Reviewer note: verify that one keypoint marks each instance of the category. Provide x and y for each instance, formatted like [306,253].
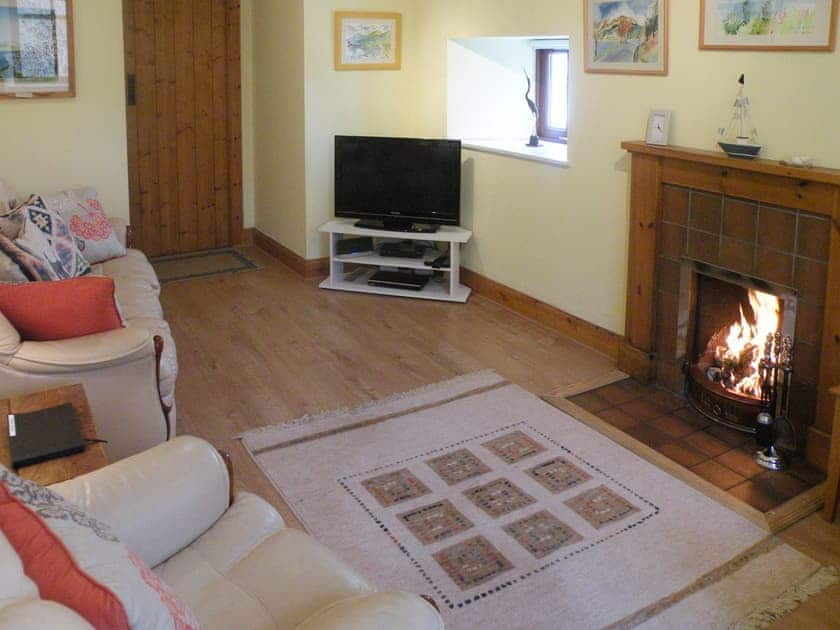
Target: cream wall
[561,234]
[55,143]
[350,102]
[279,122]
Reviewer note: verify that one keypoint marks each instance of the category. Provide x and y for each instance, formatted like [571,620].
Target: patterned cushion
[9,270]
[94,234]
[31,265]
[10,221]
[77,561]
[45,249]
[8,198]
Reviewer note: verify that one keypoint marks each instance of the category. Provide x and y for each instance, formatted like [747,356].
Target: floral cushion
[94,234]
[45,249]
[77,561]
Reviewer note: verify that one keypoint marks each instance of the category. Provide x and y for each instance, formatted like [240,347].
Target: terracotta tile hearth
[720,455]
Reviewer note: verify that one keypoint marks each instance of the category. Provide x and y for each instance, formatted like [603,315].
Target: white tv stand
[451,291]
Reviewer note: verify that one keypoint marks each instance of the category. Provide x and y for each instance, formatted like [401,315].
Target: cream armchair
[128,374]
[231,558]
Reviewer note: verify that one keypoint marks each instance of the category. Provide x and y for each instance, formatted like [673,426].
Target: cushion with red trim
[62,309]
[76,561]
[82,212]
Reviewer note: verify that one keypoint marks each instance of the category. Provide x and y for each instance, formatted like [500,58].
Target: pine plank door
[184,123]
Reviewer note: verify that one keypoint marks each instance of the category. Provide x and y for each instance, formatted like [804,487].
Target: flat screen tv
[398,182]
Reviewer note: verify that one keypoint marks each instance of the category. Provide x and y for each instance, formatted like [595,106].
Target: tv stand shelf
[451,290]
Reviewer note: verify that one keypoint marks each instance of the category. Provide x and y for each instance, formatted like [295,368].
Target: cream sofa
[234,563]
[128,374]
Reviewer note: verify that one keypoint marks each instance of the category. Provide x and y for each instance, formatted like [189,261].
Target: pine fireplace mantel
[814,190]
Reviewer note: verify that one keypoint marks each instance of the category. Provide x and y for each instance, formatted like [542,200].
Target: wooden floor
[258,348]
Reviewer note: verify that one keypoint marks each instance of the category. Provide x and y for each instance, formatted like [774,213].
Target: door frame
[233,47]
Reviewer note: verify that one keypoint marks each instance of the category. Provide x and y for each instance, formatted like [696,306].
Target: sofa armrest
[393,609]
[122,229]
[158,501]
[90,352]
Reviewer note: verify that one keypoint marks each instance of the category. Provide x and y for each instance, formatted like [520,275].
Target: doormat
[201,265]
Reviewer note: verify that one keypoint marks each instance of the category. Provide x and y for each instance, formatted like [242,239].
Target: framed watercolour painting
[367,41]
[806,25]
[626,36]
[36,48]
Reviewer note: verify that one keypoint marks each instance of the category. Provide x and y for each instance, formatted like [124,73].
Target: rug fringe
[334,413]
[790,600]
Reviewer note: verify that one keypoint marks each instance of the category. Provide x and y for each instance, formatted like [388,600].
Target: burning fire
[738,349]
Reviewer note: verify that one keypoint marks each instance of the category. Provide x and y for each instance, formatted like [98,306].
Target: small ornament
[740,139]
[534,140]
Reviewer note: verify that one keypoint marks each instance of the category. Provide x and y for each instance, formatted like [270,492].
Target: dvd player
[403,249]
[398,280]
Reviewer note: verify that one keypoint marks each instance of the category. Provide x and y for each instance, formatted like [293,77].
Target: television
[404,184]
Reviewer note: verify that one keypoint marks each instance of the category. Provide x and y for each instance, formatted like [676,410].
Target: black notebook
[46,434]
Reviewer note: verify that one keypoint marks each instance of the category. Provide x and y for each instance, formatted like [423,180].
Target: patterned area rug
[512,514]
[201,265]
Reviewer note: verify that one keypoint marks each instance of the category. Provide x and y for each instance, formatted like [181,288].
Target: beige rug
[201,265]
[512,514]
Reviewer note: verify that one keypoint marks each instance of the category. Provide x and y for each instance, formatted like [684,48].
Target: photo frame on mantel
[36,49]
[368,40]
[783,25]
[628,37]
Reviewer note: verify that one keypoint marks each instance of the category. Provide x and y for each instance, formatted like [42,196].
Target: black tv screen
[398,180]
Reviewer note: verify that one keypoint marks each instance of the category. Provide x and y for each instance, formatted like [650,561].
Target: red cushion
[61,309]
[48,563]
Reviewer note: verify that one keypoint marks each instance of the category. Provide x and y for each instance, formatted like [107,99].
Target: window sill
[552,153]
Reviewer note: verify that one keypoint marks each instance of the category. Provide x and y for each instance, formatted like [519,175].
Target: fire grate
[725,377]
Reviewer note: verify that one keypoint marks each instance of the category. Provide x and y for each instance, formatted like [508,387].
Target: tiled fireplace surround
[782,246]
[763,220]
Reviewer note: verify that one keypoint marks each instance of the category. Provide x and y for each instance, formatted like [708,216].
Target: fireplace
[714,253]
[730,327]
[762,219]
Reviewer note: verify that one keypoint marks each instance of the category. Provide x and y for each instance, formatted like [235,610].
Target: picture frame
[659,127]
[36,50]
[751,26]
[629,37]
[368,40]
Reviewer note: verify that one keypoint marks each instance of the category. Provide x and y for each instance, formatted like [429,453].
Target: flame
[740,356]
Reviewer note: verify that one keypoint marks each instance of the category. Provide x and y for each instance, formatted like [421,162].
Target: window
[486,99]
[553,94]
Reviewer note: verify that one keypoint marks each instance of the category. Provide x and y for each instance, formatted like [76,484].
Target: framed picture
[36,48]
[806,25]
[659,127]
[626,37]
[368,41]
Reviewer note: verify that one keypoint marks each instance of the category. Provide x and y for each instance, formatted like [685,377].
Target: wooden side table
[62,468]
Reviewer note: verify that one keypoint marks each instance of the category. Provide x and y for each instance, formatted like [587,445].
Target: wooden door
[184,123]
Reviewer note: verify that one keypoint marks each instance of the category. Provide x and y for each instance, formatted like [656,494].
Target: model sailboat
[740,138]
